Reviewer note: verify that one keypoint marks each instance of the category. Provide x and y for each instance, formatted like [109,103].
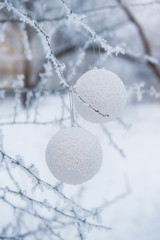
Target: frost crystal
[19,82]
[74,155]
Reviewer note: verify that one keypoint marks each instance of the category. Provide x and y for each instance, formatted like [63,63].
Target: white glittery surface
[74,155]
[102,96]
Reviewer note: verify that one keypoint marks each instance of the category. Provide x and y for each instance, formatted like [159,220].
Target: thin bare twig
[146,44]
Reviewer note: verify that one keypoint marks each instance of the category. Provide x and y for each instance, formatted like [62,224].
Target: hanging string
[99,55]
[94,51]
[71,107]
[99,52]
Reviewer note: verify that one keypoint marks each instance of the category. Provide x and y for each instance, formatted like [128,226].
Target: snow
[127,186]
[138,214]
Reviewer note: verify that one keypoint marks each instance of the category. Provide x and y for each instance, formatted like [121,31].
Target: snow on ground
[137,216]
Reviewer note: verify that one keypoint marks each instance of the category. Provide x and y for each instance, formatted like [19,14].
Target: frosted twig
[124,124]
[146,44]
[46,40]
[39,181]
[16,104]
[91,31]
[118,197]
[88,11]
[46,205]
[112,142]
[40,123]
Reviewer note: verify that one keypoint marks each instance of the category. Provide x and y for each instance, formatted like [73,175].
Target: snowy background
[34,106]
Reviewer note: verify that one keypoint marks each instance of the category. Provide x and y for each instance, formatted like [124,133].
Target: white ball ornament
[73,155]
[99,96]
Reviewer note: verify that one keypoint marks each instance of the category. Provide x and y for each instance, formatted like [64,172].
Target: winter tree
[79,119]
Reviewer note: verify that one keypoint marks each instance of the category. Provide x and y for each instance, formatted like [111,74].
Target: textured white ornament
[100,96]
[73,155]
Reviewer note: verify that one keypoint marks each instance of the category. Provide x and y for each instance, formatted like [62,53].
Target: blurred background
[121,36]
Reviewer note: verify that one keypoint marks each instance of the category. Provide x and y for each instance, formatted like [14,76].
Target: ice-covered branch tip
[49,207]
[112,142]
[40,183]
[113,6]
[80,19]
[50,55]
[45,40]
[58,218]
